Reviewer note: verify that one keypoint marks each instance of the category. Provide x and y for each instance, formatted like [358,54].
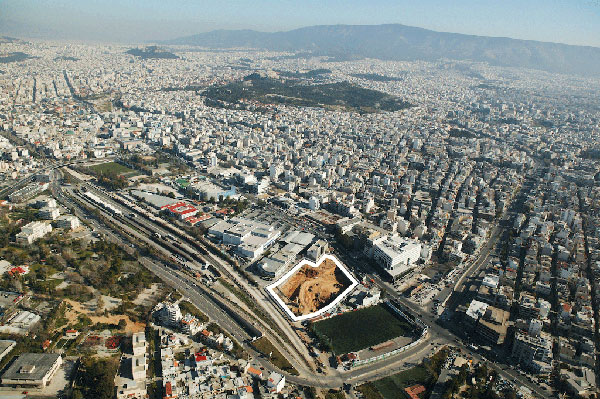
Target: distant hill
[406,43]
[151,52]
[7,39]
[294,91]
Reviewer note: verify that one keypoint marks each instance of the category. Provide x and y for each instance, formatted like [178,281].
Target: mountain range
[406,43]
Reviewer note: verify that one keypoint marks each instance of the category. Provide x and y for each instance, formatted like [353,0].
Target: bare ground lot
[77,308]
[148,296]
[311,288]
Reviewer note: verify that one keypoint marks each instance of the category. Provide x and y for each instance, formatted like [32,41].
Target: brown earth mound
[311,288]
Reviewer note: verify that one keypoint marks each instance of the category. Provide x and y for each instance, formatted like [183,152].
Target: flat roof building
[396,255]
[32,370]
[250,237]
[32,232]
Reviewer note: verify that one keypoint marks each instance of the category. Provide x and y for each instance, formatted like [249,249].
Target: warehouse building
[250,238]
[27,192]
[32,370]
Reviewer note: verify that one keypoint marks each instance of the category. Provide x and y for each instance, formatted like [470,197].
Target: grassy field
[361,329]
[264,346]
[111,167]
[369,391]
[187,307]
[389,387]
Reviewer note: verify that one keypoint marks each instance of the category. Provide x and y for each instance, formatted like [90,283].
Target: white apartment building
[33,231]
[68,221]
[534,352]
[138,342]
[168,314]
[396,254]
[49,213]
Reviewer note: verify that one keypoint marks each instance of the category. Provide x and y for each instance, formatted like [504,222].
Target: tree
[95,378]
[99,304]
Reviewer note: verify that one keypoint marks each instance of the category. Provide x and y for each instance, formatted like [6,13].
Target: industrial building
[210,191]
[250,238]
[27,192]
[32,370]
[6,345]
[273,266]
[181,209]
[20,323]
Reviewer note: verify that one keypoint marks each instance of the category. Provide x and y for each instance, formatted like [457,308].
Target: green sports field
[353,331]
[111,167]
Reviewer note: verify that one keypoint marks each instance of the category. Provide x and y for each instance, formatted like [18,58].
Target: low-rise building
[32,232]
[49,213]
[32,370]
[275,382]
[68,222]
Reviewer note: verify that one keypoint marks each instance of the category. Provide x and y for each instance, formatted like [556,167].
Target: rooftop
[30,366]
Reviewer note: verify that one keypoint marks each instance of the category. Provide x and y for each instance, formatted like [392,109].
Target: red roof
[180,208]
[252,370]
[168,389]
[18,270]
[414,391]
[200,358]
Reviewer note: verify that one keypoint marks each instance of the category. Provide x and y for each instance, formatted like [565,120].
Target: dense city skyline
[327,212]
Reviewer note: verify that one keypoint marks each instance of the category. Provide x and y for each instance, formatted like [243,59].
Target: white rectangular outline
[340,297]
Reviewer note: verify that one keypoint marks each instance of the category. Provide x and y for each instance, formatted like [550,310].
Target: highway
[143,229]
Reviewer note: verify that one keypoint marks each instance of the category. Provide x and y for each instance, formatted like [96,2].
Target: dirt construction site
[311,288]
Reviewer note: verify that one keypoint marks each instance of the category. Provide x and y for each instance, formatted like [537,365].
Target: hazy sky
[573,22]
